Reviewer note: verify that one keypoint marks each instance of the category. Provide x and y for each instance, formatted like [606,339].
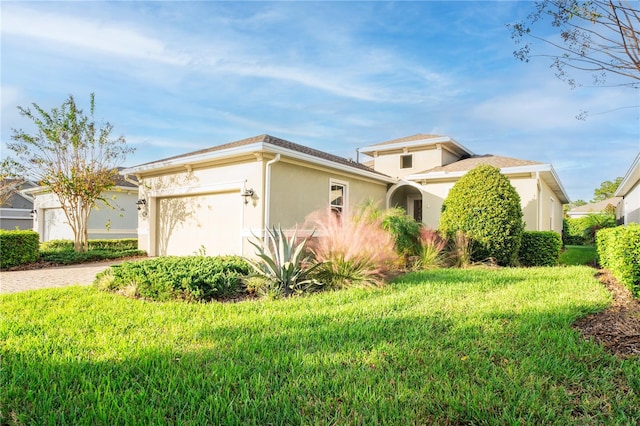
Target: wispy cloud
[86,33]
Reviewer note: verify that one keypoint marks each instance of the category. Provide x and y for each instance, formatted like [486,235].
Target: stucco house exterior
[628,210]
[594,208]
[16,211]
[217,198]
[119,219]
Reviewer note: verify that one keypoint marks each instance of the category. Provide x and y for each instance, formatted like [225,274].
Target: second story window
[406,161]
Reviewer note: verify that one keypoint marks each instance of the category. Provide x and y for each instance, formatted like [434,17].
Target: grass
[578,255]
[475,346]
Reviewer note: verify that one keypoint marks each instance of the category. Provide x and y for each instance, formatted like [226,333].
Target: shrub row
[18,247]
[118,244]
[192,278]
[618,250]
[540,248]
[582,230]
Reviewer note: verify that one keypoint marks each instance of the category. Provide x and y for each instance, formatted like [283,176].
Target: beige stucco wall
[184,191]
[631,205]
[298,190]
[118,219]
[435,192]
[423,159]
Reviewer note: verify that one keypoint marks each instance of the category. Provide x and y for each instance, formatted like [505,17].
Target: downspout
[267,196]
[539,209]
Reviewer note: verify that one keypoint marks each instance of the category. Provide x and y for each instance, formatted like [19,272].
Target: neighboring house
[594,208]
[217,198]
[16,211]
[119,219]
[628,210]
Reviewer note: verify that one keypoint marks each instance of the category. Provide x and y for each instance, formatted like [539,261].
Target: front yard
[450,346]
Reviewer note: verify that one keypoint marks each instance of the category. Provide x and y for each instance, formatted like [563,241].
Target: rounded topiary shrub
[486,207]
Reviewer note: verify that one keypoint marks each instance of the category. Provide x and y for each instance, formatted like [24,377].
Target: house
[16,211]
[427,167]
[610,204]
[216,199]
[628,210]
[117,219]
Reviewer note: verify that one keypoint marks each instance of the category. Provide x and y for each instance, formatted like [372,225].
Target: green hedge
[117,244]
[18,247]
[191,278]
[618,250]
[573,231]
[540,248]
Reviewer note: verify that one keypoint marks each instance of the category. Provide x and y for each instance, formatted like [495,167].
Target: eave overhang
[546,172]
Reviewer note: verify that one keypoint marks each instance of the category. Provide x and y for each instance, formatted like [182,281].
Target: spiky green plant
[283,262]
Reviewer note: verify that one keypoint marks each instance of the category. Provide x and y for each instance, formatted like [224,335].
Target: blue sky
[173,77]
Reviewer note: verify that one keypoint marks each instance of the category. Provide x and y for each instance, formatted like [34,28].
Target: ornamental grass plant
[352,250]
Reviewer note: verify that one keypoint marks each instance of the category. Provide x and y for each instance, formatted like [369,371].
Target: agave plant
[282,262]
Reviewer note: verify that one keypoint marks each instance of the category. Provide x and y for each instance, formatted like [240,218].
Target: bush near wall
[573,231]
[118,244]
[191,278]
[540,248]
[18,247]
[618,250]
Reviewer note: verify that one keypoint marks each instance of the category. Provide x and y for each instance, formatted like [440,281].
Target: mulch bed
[618,327]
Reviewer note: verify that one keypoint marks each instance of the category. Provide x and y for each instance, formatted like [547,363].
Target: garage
[187,224]
[55,225]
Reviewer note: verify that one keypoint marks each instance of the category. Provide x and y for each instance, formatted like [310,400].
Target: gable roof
[255,144]
[596,207]
[492,160]
[418,140]
[506,165]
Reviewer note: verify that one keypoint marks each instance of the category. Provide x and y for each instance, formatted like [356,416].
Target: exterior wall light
[141,203]
[247,193]
[34,214]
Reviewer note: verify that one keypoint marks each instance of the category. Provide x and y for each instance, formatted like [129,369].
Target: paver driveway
[34,279]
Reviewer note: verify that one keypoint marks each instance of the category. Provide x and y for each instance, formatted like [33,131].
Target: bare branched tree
[72,157]
[599,37]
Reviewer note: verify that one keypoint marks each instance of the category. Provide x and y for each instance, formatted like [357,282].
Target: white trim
[630,178]
[250,149]
[400,184]
[345,194]
[536,168]
[412,144]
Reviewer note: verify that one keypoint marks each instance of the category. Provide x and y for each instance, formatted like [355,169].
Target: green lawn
[480,346]
[578,255]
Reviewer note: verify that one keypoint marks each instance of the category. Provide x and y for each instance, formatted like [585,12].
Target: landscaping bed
[618,327]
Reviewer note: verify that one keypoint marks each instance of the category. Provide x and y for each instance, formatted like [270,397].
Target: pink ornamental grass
[354,250]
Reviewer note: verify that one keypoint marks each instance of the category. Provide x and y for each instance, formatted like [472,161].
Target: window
[406,161]
[337,197]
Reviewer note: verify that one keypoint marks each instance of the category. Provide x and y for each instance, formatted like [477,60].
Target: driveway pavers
[60,276]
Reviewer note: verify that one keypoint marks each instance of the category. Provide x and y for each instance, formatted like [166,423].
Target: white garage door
[56,226]
[186,224]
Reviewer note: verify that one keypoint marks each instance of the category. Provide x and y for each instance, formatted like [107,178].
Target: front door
[417,210]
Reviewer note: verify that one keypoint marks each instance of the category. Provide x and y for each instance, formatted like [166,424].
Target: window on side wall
[338,197]
[406,161]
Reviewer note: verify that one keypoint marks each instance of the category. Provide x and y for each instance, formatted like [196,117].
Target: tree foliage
[486,207]
[606,190]
[71,156]
[599,37]
[11,179]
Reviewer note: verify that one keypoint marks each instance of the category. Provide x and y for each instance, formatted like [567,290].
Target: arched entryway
[407,195]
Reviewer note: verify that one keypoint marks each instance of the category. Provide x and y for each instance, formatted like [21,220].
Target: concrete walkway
[35,279]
